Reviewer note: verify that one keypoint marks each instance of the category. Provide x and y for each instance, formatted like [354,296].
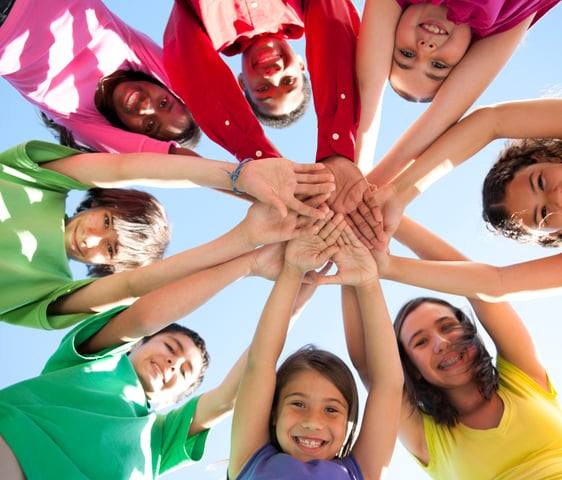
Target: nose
[175,362]
[145,106]
[440,343]
[311,420]
[271,71]
[422,43]
[554,195]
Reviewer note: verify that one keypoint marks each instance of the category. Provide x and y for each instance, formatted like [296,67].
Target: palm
[266,225]
[355,264]
[307,253]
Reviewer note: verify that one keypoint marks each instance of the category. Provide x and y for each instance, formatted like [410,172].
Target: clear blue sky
[451,208]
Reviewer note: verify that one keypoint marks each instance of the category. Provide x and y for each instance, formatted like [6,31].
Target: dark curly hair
[431,399]
[516,155]
[335,370]
[141,225]
[103,99]
[287,119]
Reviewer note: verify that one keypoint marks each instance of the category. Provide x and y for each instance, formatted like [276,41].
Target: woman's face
[426,48]
[311,417]
[535,196]
[430,335]
[149,109]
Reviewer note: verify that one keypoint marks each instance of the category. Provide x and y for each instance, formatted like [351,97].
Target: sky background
[451,208]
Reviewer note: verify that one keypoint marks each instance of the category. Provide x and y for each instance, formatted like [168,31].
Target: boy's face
[167,366]
[272,76]
[427,46]
[150,109]
[89,237]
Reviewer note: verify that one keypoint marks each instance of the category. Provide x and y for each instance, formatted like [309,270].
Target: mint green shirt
[87,417]
[34,267]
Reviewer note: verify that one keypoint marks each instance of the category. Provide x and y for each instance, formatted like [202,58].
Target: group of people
[129,113]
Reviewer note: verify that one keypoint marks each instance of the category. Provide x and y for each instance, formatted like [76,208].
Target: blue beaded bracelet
[236,173]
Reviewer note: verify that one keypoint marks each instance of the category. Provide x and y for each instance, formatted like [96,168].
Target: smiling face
[535,196]
[311,417]
[167,365]
[150,109]
[429,336]
[426,48]
[89,237]
[272,76]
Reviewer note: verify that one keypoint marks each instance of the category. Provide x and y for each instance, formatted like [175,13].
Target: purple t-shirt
[488,17]
[268,463]
[55,52]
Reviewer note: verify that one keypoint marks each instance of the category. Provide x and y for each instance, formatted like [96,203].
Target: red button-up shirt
[199,29]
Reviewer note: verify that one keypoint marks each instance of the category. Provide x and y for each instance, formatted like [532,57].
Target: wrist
[235,177]
[290,269]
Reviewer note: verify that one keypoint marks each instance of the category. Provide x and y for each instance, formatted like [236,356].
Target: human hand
[264,224]
[310,252]
[350,184]
[279,181]
[268,260]
[378,216]
[356,265]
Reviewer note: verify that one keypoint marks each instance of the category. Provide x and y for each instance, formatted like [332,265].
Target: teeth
[309,443]
[433,29]
[449,362]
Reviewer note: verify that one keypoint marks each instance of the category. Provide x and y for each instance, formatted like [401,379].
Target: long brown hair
[429,398]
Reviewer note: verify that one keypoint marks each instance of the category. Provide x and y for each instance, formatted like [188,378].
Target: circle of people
[129,113]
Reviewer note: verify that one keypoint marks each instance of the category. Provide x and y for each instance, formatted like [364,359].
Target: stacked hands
[302,188]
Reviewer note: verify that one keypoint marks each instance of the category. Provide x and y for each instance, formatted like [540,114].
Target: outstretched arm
[250,424]
[505,327]
[464,85]
[377,347]
[520,119]
[275,181]
[375,46]
[262,225]
[459,276]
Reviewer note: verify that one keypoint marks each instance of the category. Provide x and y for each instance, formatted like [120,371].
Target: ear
[301,63]
[241,82]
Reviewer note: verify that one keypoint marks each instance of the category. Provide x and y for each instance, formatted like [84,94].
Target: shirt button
[227,123]
[259,153]
[342,96]
[335,136]
[254,4]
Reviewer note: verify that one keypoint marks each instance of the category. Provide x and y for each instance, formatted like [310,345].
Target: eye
[110,250]
[407,53]
[332,410]
[544,213]
[540,182]
[419,343]
[169,347]
[439,65]
[164,102]
[107,221]
[149,126]
[297,404]
[289,80]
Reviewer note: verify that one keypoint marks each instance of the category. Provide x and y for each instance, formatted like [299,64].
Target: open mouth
[309,443]
[266,59]
[451,361]
[132,100]
[433,29]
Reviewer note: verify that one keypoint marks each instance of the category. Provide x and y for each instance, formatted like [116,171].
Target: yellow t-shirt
[526,445]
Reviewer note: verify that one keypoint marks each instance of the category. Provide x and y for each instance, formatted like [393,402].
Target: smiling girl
[462,416]
[442,51]
[300,421]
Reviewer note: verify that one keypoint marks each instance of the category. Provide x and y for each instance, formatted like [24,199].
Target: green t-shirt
[86,417]
[34,267]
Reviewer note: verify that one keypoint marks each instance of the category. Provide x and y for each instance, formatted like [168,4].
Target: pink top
[487,17]
[54,53]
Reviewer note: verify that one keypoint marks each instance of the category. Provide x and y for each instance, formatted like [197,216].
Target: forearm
[354,334]
[147,169]
[124,287]
[383,362]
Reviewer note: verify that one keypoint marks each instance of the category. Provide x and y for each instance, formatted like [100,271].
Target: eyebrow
[303,395]
[431,76]
[421,330]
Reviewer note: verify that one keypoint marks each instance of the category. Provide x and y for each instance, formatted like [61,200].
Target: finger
[303,209]
[329,280]
[312,169]
[328,253]
[316,200]
[310,189]
[334,233]
[365,241]
[362,229]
